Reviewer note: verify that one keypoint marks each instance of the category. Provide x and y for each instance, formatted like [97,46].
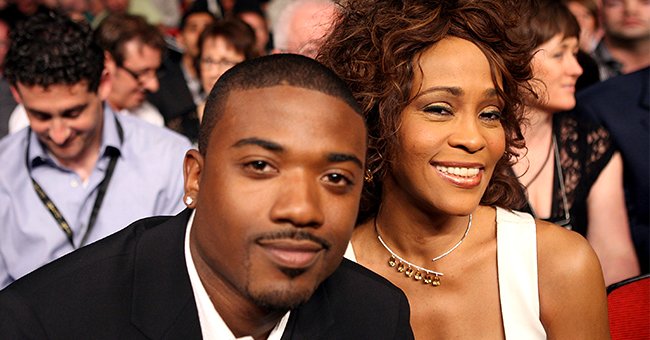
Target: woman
[440,86]
[571,172]
[586,12]
[223,45]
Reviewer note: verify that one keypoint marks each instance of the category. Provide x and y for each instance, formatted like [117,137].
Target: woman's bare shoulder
[572,294]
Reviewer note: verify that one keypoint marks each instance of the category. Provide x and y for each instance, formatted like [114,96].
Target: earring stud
[189,200]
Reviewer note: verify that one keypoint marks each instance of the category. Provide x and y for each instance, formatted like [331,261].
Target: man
[625,46]
[78,172]
[622,105]
[259,252]
[180,89]
[134,52]
[301,26]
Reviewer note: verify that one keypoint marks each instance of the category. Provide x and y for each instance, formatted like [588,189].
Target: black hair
[49,49]
[195,8]
[267,71]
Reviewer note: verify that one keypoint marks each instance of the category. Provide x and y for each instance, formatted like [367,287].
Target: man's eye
[337,179]
[258,166]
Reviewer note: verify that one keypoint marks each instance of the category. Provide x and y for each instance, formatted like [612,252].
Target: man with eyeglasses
[79,172]
[133,51]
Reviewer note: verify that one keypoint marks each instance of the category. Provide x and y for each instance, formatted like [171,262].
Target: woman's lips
[466,177]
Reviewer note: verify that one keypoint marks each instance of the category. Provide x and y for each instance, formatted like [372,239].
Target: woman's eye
[438,109]
[491,115]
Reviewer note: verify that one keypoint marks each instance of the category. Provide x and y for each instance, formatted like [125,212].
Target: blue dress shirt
[147,180]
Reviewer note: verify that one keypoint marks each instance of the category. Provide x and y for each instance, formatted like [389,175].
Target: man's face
[310,25]
[626,20]
[66,118]
[276,194]
[135,76]
[189,36]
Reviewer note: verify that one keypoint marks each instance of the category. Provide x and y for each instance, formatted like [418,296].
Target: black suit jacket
[622,105]
[134,285]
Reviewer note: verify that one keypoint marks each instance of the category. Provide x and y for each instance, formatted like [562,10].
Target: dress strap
[518,278]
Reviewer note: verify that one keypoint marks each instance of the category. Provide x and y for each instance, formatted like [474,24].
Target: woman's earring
[189,200]
[367,176]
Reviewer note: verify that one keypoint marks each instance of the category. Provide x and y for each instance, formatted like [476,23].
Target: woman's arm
[573,301]
[608,231]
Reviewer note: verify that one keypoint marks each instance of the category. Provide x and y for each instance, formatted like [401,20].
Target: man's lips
[292,253]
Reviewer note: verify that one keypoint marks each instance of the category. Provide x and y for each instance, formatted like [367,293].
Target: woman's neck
[538,129]
[414,233]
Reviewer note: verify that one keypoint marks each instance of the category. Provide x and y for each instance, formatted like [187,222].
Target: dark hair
[236,32]
[50,49]
[196,8]
[267,71]
[248,6]
[547,18]
[375,46]
[118,29]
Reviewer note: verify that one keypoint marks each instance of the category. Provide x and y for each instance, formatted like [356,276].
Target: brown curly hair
[375,46]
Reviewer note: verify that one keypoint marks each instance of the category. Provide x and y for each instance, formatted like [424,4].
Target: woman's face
[451,136]
[557,69]
[217,57]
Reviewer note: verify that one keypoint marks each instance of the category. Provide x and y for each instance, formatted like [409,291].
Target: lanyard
[63,224]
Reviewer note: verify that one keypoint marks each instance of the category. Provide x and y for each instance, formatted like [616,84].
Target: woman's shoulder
[566,251]
[571,285]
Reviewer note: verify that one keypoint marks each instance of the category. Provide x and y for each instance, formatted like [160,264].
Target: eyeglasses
[143,75]
[226,63]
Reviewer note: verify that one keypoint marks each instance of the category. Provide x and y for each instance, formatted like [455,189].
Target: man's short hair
[51,49]
[268,71]
[196,8]
[118,29]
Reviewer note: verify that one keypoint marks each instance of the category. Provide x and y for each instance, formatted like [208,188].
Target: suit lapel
[312,320]
[163,302]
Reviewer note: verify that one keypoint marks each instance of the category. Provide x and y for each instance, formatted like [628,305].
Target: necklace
[410,270]
[548,156]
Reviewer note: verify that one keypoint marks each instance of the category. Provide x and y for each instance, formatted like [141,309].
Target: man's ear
[15,94]
[105,85]
[109,63]
[192,167]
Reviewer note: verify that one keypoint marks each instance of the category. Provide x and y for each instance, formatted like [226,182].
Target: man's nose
[58,131]
[299,201]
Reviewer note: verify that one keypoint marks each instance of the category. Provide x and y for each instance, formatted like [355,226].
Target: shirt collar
[603,54]
[212,325]
[37,153]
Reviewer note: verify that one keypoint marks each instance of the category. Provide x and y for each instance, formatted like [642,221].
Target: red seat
[628,304]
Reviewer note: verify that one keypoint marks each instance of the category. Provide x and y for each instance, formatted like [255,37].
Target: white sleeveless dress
[517,275]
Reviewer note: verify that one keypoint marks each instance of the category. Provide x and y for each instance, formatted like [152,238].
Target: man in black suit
[273,193]
[622,105]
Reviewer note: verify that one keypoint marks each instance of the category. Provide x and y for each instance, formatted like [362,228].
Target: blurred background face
[4,41]
[589,31]
[136,76]
[308,26]
[258,23]
[626,19]
[217,56]
[189,36]
[116,6]
[556,70]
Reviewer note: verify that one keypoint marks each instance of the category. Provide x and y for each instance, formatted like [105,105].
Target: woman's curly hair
[375,46]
